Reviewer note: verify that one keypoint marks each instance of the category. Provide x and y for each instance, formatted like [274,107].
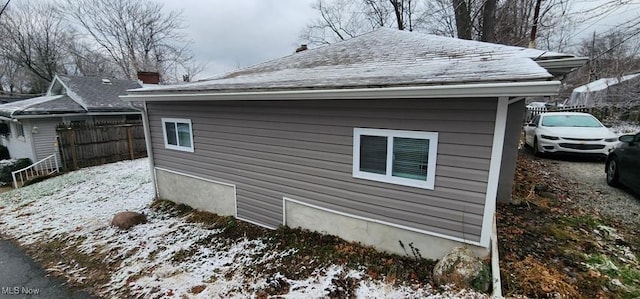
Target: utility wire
[614,46]
[4,7]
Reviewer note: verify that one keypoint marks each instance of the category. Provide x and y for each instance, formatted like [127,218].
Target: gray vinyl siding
[44,141]
[303,150]
[515,117]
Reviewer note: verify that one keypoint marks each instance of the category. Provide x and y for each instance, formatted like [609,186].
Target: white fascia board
[55,78]
[511,89]
[72,95]
[563,65]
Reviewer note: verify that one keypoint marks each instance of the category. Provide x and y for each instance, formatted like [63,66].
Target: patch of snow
[625,128]
[597,93]
[10,108]
[167,256]
[603,83]
[78,202]
[374,59]
[7,162]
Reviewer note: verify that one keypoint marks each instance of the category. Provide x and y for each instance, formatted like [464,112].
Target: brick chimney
[149,77]
[302,48]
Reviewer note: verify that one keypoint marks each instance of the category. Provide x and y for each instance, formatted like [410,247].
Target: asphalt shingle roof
[84,94]
[94,95]
[382,58]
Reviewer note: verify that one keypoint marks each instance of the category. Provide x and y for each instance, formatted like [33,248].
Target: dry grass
[540,280]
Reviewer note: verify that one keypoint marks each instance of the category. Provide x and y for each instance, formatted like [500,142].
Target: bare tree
[344,19]
[14,79]
[610,55]
[378,12]
[404,11]
[509,22]
[437,18]
[464,18]
[34,37]
[88,61]
[137,34]
[4,7]
[341,20]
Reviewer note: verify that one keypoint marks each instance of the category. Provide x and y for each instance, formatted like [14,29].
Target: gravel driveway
[587,178]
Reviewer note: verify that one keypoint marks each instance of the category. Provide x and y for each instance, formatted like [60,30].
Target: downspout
[495,262]
[147,139]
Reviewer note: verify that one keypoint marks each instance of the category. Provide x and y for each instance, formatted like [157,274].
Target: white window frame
[164,134]
[388,178]
[19,130]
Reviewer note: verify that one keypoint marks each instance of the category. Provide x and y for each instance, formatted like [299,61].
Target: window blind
[373,154]
[410,158]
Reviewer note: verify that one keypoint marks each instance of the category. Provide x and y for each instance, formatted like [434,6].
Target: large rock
[462,268]
[126,220]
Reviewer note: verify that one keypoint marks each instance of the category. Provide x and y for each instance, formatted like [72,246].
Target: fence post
[93,145]
[130,142]
[73,150]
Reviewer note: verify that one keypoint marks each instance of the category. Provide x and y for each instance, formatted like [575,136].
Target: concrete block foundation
[205,195]
[368,232]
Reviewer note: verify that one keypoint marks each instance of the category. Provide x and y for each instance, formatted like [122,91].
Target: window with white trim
[19,130]
[178,134]
[398,157]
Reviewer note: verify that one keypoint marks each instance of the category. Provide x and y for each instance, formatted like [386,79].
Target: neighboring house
[32,122]
[616,91]
[390,136]
[13,98]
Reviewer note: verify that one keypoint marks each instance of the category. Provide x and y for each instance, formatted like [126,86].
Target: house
[10,98]
[616,91]
[389,136]
[30,125]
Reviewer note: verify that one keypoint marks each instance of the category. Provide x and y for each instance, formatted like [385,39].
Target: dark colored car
[623,163]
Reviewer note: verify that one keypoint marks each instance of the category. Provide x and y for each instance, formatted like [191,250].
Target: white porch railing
[43,167]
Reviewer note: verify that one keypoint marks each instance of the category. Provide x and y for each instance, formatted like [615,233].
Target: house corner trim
[494,170]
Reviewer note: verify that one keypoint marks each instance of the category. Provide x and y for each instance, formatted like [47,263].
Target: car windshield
[570,121]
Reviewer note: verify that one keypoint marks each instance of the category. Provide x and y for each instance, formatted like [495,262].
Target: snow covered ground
[77,208]
[623,128]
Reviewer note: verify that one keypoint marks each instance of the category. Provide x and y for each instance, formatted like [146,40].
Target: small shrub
[7,168]
[22,163]
[4,153]
[482,282]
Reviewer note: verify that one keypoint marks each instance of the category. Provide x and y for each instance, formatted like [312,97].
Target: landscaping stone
[126,220]
[462,268]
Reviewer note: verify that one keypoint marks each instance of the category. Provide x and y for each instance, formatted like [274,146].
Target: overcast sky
[228,34]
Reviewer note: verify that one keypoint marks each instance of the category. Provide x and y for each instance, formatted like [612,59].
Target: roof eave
[511,89]
[31,116]
[562,66]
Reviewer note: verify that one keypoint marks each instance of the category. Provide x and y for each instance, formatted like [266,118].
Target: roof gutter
[562,66]
[30,116]
[536,88]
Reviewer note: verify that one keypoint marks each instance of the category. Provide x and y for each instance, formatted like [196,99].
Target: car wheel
[536,151]
[612,173]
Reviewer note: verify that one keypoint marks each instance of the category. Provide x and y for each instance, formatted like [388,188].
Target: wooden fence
[83,145]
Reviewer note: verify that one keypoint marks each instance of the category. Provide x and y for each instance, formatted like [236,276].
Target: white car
[569,132]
